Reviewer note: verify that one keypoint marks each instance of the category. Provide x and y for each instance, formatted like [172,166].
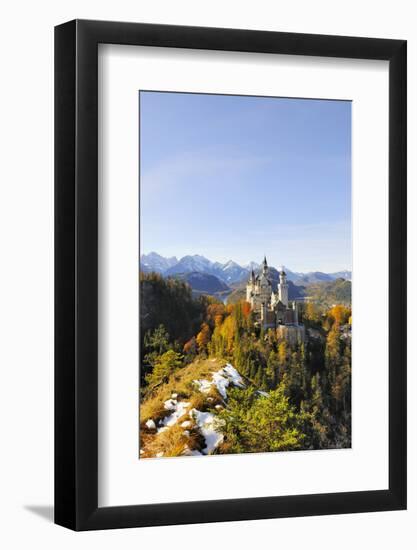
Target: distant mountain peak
[155,262]
[229,264]
[229,272]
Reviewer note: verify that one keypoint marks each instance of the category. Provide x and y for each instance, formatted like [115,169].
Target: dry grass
[145,439]
[182,383]
[198,401]
[214,397]
[152,409]
[224,448]
[171,442]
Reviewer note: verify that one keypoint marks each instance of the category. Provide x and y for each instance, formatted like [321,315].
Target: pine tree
[164,366]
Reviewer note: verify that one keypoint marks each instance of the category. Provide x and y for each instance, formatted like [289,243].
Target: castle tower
[274,299]
[295,308]
[264,284]
[283,288]
[250,286]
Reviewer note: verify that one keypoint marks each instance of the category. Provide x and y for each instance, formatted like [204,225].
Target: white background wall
[26,286]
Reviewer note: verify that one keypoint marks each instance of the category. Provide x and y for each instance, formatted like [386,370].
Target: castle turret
[264,284]
[295,308]
[250,287]
[283,288]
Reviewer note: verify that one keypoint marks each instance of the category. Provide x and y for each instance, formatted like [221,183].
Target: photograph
[245,274]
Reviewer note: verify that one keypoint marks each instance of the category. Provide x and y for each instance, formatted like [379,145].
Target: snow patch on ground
[189,452]
[234,376]
[178,410]
[150,424]
[221,380]
[170,404]
[203,385]
[206,421]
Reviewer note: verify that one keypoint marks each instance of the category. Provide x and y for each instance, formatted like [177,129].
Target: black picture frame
[76,272]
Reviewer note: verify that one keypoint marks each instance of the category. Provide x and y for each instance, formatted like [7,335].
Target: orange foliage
[230,308]
[190,346]
[218,320]
[215,311]
[203,337]
[246,309]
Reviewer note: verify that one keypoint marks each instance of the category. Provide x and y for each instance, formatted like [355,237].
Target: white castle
[272,308]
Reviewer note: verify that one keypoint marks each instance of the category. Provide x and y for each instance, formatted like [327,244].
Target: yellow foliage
[340,314]
[218,320]
[227,330]
[283,352]
[203,337]
[312,312]
[333,343]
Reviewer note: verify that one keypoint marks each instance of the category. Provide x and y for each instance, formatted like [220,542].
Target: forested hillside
[214,382]
[333,292]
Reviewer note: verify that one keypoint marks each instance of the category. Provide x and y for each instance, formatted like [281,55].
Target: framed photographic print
[230,253]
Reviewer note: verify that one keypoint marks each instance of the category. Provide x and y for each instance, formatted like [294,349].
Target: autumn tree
[339,315]
[312,313]
[190,349]
[283,351]
[215,314]
[246,309]
[203,338]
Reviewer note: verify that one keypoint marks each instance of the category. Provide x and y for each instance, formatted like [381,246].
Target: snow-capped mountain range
[229,272]
[155,262]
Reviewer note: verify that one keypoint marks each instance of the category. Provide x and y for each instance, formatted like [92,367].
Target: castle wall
[292,333]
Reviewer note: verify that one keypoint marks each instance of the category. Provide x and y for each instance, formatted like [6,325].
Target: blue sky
[235,177]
